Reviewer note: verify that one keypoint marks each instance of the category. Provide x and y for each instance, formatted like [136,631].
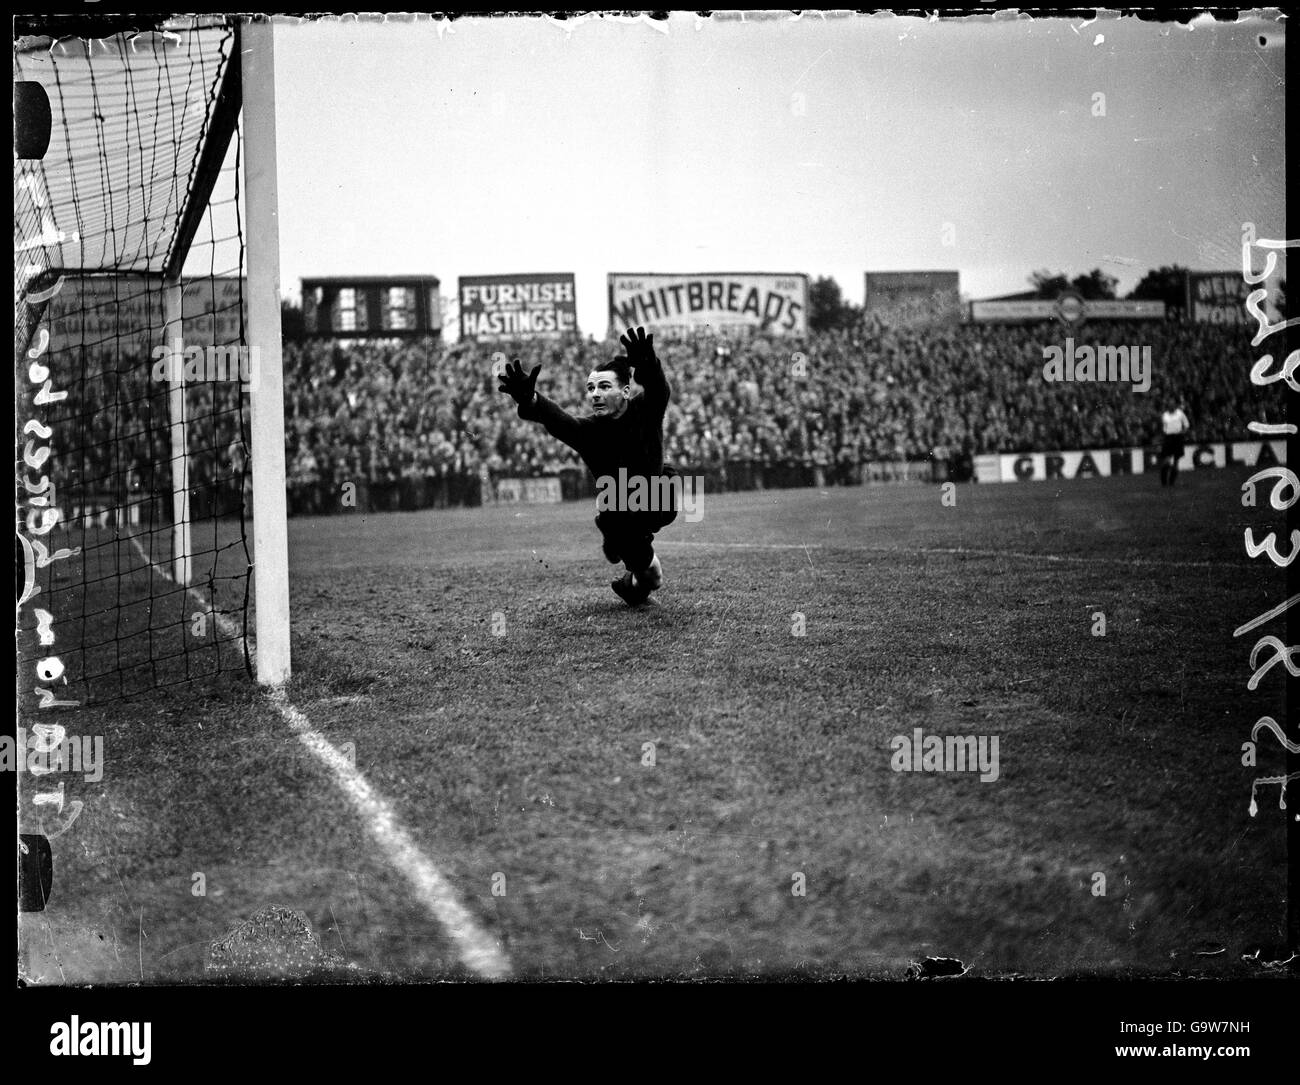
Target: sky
[824,145]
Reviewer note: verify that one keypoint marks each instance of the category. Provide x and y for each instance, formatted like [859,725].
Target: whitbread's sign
[716,302]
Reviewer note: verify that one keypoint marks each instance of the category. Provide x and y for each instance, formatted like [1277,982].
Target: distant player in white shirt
[1174,424]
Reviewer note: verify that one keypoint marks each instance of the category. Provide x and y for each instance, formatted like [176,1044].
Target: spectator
[412,423]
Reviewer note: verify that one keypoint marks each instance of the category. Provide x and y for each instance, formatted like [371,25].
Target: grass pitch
[648,790]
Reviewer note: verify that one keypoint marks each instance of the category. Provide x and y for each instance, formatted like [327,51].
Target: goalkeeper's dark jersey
[634,440]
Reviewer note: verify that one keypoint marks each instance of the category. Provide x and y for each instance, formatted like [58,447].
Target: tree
[1167,284]
[827,309]
[1049,284]
[1095,285]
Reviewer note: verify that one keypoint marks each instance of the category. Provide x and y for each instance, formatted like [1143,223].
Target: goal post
[182,564]
[147,268]
[266,407]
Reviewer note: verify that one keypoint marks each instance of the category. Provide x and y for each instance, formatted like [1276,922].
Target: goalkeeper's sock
[653,577]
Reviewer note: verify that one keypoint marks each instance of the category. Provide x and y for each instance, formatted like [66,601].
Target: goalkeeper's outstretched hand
[520,388]
[639,346]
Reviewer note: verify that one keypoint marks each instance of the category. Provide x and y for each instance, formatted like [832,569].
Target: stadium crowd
[393,413]
[420,422]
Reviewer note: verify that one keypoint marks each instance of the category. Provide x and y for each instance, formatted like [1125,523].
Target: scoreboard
[371,307]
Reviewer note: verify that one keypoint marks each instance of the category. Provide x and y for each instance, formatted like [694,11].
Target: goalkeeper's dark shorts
[629,536]
[1174,444]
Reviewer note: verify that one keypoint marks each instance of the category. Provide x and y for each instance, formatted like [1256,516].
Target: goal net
[133,371]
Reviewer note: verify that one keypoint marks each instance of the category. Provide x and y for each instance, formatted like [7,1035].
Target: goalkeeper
[624,430]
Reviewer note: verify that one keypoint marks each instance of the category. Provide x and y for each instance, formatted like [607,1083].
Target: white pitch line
[228,628]
[959,551]
[744,546]
[477,951]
